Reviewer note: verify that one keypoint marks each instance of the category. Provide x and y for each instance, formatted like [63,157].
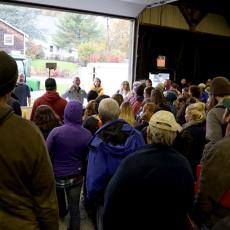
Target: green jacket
[27,189]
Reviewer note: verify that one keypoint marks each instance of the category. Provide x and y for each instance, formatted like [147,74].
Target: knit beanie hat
[8,73]
[220,86]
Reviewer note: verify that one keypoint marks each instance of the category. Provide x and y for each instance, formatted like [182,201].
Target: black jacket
[152,189]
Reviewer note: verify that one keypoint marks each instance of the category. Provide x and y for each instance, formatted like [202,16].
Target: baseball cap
[164,120]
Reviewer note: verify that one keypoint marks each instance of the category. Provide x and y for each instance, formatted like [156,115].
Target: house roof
[13,27]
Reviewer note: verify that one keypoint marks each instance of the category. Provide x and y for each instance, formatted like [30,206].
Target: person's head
[21,77]
[8,75]
[98,100]
[108,110]
[45,118]
[139,90]
[147,91]
[125,86]
[148,110]
[157,96]
[185,92]
[170,96]
[135,85]
[118,97]
[90,109]
[220,86]
[97,82]
[148,83]
[194,91]
[202,87]
[127,114]
[92,95]
[167,83]
[77,81]
[50,84]
[195,112]
[162,128]
[160,86]
[73,112]
[183,81]
[208,82]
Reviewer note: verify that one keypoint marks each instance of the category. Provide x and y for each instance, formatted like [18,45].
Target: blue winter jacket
[108,147]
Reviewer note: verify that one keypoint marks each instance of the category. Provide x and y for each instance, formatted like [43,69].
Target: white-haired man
[153,187]
[114,141]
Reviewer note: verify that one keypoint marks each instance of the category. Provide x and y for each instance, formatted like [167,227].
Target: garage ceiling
[121,8]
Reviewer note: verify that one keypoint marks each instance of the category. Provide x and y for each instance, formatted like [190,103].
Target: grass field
[68,69]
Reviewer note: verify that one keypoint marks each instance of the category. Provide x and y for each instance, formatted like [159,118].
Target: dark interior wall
[195,56]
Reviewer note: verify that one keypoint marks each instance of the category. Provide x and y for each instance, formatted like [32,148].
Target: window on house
[8,39]
[51,49]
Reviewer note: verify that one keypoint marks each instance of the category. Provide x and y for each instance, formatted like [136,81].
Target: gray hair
[160,136]
[108,110]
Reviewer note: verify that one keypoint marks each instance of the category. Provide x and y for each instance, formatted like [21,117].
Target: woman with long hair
[46,119]
[97,86]
[127,114]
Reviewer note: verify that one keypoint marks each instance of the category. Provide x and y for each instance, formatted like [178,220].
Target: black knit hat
[220,86]
[50,84]
[8,73]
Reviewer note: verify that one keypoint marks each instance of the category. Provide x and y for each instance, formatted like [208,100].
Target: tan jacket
[27,188]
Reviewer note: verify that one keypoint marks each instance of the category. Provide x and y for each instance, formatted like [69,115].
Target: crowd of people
[144,158]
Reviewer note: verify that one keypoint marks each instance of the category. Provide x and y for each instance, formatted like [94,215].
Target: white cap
[164,120]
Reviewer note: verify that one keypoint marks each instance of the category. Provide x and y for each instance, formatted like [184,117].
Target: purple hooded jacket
[68,144]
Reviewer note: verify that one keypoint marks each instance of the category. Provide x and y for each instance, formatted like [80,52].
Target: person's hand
[72,88]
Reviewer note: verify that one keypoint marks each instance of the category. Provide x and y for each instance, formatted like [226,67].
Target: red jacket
[52,99]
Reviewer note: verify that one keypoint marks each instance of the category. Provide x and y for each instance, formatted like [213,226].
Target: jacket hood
[118,138]
[5,112]
[51,96]
[73,113]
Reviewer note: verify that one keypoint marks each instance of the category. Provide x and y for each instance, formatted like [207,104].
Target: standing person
[127,114]
[50,98]
[46,119]
[114,141]
[125,90]
[212,201]
[75,92]
[22,91]
[148,83]
[97,86]
[68,148]
[191,140]
[215,127]
[153,187]
[28,197]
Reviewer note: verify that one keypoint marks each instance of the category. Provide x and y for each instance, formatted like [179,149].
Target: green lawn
[68,69]
[61,87]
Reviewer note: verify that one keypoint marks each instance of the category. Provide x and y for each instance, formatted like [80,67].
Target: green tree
[74,29]
[22,18]
[85,50]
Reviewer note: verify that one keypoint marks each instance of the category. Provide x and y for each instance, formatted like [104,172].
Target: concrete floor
[86,223]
